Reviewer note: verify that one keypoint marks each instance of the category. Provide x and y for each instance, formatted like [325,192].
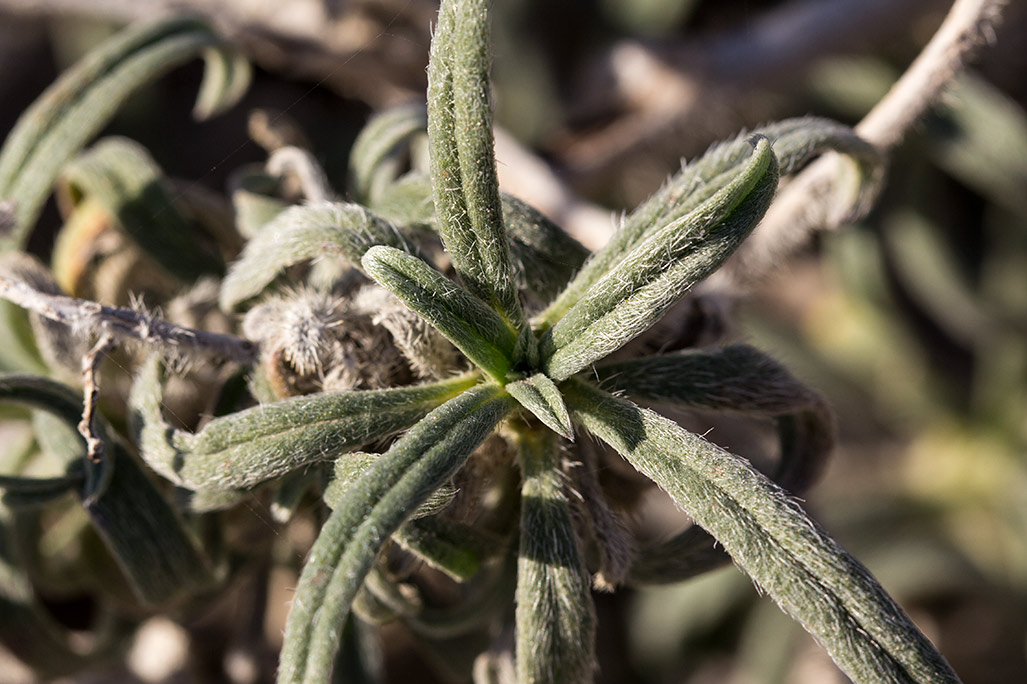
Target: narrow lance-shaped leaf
[145,536]
[84,99]
[555,615]
[246,448]
[543,256]
[795,142]
[639,290]
[299,233]
[463,165]
[742,379]
[464,320]
[539,395]
[122,176]
[26,628]
[452,547]
[350,466]
[369,167]
[375,506]
[770,538]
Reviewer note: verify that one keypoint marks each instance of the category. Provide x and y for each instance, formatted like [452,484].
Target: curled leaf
[124,179]
[372,163]
[770,537]
[311,231]
[81,102]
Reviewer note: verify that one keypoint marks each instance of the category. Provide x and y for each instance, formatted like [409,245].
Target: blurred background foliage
[913,323]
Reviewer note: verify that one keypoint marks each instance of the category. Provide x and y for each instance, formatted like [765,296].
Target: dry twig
[806,204]
[121,323]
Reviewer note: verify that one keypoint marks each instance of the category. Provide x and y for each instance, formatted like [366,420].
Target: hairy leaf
[639,290]
[772,539]
[471,326]
[375,506]
[539,395]
[795,142]
[246,448]
[452,547]
[742,379]
[348,468]
[311,231]
[555,614]
[463,165]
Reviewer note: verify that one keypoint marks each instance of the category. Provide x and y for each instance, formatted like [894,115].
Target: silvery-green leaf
[255,199]
[795,142]
[452,547]
[81,102]
[369,162]
[555,627]
[660,269]
[374,507]
[348,468]
[243,449]
[464,320]
[124,179]
[539,395]
[311,231]
[463,165]
[771,538]
[736,378]
[544,257]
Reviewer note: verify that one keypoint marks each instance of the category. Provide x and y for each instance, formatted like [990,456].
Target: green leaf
[122,176]
[148,540]
[638,291]
[31,492]
[795,142]
[311,231]
[741,379]
[243,449]
[770,538]
[539,395]
[349,467]
[255,199]
[463,165]
[145,536]
[544,257]
[556,620]
[27,630]
[375,506]
[452,547]
[372,166]
[464,320]
[81,102]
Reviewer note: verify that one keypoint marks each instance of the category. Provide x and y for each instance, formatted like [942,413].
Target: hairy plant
[452,380]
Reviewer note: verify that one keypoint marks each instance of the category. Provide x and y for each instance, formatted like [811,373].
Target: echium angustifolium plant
[439,310]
